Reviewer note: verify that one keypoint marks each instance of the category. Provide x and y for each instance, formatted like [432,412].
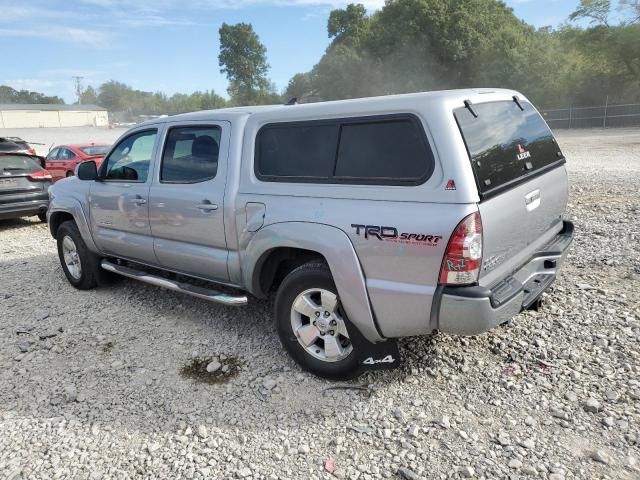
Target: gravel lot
[92,383]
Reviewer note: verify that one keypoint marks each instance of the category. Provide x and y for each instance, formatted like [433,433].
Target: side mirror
[87,170]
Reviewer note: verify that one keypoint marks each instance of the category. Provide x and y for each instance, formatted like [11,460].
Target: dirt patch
[196,370]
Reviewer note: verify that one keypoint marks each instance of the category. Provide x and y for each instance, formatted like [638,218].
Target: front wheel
[312,324]
[80,265]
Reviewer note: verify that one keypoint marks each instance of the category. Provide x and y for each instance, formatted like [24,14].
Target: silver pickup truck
[368,219]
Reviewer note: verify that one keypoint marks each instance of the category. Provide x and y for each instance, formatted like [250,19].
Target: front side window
[191,154]
[390,150]
[131,158]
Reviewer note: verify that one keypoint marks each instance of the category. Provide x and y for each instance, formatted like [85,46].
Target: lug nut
[332,332]
[333,323]
[317,314]
[326,314]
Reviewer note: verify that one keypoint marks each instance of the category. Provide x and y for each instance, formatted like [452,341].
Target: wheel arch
[297,241]
[71,209]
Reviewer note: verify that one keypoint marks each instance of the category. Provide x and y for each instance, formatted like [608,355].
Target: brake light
[463,257]
[40,176]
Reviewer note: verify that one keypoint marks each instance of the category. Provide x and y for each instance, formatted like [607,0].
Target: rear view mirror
[87,170]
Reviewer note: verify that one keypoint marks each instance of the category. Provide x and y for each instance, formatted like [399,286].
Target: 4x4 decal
[391,234]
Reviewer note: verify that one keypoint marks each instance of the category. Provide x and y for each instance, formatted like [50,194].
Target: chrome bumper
[474,310]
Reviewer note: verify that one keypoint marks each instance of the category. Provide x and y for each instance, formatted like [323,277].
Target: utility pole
[78,80]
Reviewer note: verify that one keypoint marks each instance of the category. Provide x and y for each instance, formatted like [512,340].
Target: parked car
[23,186]
[15,145]
[369,219]
[63,159]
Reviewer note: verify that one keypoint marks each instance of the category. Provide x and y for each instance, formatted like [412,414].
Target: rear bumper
[25,208]
[475,309]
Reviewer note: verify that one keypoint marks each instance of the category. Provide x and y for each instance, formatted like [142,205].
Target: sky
[172,45]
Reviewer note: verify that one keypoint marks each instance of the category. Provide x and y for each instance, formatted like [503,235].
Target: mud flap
[377,356]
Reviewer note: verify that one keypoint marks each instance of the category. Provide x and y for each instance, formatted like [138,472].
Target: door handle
[207,206]
[139,200]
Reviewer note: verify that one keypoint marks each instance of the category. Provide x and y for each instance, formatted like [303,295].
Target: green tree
[89,96]
[350,23]
[11,95]
[243,58]
[597,11]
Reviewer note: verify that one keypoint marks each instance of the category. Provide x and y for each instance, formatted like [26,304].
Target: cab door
[186,200]
[119,200]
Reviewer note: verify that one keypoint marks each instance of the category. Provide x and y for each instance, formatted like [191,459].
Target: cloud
[89,38]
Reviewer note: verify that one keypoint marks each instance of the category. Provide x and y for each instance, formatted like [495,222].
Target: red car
[63,159]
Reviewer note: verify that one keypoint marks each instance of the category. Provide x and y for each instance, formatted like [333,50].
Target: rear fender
[334,245]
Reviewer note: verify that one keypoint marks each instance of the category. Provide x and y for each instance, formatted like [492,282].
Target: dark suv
[24,186]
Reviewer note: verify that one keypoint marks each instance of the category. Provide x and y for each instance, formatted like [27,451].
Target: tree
[89,96]
[244,60]
[300,86]
[597,11]
[349,23]
[11,95]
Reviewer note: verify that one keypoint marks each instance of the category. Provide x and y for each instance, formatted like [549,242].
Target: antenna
[78,80]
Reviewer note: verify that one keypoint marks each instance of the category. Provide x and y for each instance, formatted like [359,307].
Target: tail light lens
[40,175]
[463,257]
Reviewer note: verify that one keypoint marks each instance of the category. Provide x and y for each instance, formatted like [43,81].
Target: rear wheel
[80,265]
[69,174]
[312,324]
[43,217]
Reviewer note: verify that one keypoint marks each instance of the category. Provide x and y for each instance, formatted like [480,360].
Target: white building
[50,115]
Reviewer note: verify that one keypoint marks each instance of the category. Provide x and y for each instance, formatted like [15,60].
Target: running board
[193,290]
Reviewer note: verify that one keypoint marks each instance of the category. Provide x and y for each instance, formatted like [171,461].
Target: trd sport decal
[390,234]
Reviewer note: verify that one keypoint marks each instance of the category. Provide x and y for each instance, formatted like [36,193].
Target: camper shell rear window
[508,143]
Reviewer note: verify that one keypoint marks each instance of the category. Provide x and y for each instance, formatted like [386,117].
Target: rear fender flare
[334,245]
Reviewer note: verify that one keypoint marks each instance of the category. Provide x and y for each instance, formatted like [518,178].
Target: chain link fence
[603,116]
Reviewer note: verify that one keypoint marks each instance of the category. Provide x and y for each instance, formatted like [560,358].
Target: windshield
[18,164]
[505,142]
[95,150]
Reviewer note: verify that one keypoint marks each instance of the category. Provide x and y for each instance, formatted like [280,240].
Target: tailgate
[521,179]
[519,221]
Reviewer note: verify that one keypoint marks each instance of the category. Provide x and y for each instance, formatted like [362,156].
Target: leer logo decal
[391,234]
[522,153]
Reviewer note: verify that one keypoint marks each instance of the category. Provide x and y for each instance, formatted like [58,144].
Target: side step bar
[193,290]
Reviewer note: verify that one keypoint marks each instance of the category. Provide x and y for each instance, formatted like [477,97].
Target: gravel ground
[92,384]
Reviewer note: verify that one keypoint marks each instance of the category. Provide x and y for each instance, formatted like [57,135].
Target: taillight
[40,176]
[463,257]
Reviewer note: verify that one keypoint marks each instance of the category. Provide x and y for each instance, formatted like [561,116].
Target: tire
[43,217]
[329,352]
[73,253]
[69,174]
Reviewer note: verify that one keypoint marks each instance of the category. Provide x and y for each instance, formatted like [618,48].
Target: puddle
[196,370]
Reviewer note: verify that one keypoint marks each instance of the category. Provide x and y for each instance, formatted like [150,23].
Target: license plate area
[8,183]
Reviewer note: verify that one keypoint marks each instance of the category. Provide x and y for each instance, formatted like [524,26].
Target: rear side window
[506,143]
[190,155]
[379,150]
